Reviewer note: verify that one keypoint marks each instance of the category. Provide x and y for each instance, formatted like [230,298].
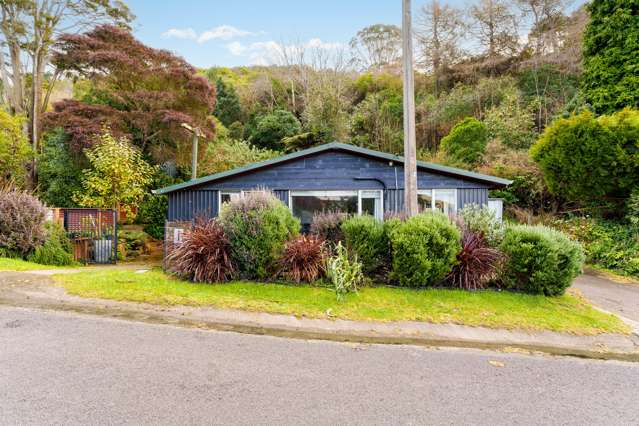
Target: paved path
[65,368]
[622,299]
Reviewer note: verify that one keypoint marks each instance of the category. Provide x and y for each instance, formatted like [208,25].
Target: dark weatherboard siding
[329,170]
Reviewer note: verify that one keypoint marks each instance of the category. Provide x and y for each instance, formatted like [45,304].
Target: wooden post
[410,151]
[194,159]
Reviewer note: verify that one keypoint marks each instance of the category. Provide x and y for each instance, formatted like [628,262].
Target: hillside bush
[57,248]
[258,225]
[365,237]
[204,254]
[22,218]
[541,260]
[303,259]
[466,141]
[591,159]
[607,244]
[270,129]
[424,249]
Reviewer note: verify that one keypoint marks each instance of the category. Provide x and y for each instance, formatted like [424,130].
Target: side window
[371,204]
[227,196]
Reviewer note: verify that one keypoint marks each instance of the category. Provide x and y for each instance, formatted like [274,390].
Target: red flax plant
[204,254]
[303,259]
[477,262]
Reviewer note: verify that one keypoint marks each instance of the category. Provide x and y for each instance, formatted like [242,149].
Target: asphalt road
[63,368]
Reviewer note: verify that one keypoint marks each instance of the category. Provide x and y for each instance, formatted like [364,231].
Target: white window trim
[226,191]
[431,192]
[380,215]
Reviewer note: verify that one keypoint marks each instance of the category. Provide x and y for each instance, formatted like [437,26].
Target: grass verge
[7,264]
[493,309]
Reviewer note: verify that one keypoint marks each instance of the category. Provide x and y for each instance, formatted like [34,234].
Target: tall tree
[546,71]
[377,46]
[495,26]
[29,29]
[547,21]
[140,92]
[227,107]
[611,63]
[439,32]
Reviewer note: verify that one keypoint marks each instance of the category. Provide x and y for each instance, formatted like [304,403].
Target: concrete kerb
[36,291]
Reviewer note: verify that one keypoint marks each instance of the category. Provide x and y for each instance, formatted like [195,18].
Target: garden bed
[505,310]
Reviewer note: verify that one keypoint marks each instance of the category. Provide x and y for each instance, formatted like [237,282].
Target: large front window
[443,200]
[305,204]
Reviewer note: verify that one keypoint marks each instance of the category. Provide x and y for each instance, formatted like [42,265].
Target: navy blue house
[334,176]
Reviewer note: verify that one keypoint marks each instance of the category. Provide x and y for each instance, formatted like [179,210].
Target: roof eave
[492,181]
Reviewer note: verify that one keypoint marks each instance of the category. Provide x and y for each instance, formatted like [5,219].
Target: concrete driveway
[621,299]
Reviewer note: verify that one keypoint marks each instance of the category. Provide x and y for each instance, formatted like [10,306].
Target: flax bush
[303,259]
[204,255]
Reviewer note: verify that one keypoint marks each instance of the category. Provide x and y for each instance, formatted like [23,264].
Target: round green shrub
[258,226]
[466,141]
[541,260]
[365,236]
[57,249]
[424,249]
[272,128]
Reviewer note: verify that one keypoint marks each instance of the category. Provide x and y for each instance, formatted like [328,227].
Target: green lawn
[487,308]
[7,264]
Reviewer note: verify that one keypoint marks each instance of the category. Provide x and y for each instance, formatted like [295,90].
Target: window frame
[339,193]
[433,192]
[378,215]
[226,191]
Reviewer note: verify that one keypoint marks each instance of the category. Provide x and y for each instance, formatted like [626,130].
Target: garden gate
[94,234]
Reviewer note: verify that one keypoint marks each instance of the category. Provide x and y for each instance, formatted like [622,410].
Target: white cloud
[223,32]
[236,48]
[185,33]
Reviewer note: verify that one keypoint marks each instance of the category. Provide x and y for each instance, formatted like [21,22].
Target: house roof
[336,146]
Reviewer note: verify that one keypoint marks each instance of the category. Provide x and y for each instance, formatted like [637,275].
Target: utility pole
[410,151]
[197,133]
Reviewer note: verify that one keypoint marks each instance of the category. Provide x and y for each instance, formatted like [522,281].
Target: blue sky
[246,32]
